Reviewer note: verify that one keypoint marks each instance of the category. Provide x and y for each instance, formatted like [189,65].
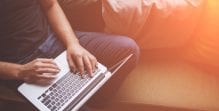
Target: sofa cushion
[162,79]
[152,23]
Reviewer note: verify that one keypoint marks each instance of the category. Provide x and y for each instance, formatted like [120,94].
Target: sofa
[167,78]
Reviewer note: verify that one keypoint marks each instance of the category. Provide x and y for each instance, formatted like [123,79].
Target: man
[32,32]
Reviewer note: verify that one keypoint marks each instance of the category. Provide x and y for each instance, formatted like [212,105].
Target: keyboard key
[45,99]
[54,85]
[47,102]
[53,108]
[58,103]
[43,95]
[49,106]
[53,103]
[53,97]
[61,100]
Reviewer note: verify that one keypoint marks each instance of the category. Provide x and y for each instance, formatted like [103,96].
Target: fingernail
[91,75]
[74,71]
[82,76]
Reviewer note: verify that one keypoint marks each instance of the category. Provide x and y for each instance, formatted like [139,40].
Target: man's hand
[38,70]
[80,59]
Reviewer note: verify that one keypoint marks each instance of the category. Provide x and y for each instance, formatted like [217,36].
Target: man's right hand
[38,70]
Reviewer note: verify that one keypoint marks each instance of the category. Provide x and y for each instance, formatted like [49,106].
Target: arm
[9,70]
[79,58]
[59,22]
[37,70]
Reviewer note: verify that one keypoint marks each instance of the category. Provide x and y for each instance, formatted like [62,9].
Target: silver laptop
[68,92]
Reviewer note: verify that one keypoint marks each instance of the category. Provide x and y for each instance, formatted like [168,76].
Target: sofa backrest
[85,15]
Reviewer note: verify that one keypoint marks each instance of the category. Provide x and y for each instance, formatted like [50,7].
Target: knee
[129,46]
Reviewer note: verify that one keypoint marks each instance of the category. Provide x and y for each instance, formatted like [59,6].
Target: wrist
[71,41]
[72,44]
[18,72]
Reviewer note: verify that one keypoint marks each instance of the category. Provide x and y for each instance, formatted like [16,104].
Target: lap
[107,48]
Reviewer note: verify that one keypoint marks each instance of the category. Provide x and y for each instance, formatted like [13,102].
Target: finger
[31,78]
[88,65]
[96,65]
[48,65]
[43,60]
[45,76]
[71,64]
[80,65]
[47,70]
[93,61]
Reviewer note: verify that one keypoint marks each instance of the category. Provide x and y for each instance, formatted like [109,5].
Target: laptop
[68,92]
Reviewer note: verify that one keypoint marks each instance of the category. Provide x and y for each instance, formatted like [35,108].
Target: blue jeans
[108,49]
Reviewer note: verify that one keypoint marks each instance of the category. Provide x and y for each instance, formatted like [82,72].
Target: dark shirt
[23,27]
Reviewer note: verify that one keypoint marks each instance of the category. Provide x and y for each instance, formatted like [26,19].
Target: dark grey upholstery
[84,15]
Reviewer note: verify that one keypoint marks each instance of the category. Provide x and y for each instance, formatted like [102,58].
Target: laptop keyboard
[63,90]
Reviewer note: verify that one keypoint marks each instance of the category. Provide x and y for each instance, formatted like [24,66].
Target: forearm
[59,22]
[9,70]
[78,57]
